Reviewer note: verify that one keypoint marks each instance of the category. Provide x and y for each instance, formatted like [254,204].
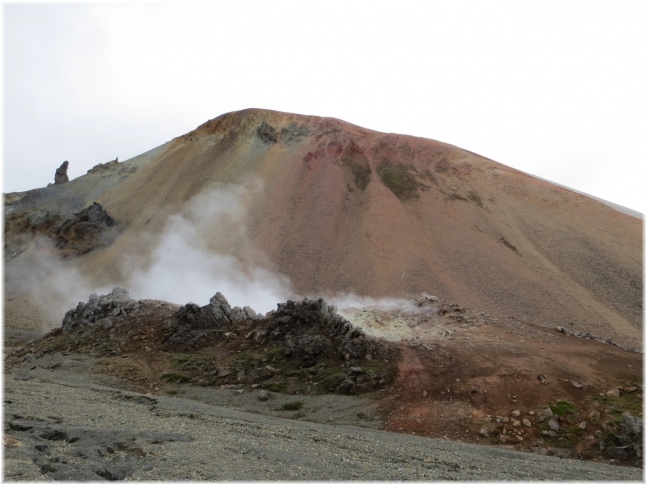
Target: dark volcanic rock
[114,304]
[311,330]
[306,331]
[86,230]
[267,133]
[193,326]
[60,177]
[89,229]
[308,339]
[625,441]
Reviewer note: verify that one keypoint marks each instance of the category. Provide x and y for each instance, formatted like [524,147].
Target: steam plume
[205,249]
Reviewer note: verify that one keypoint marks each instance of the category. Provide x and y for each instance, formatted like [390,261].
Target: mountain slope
[339,208]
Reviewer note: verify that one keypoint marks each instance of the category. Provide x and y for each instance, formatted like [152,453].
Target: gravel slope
[60,425]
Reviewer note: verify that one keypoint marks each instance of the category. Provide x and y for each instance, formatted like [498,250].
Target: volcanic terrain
[494,307]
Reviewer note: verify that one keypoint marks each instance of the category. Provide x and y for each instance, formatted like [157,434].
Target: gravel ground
[61,425]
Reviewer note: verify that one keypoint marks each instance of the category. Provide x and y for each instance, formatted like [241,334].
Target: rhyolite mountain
[342,208]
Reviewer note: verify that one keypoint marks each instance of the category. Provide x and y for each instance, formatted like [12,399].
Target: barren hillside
[339,208]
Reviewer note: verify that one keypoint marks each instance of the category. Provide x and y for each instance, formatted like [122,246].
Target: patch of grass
[576,431]
[277,386]
[616,413]
[617,406]
[179,358]
[330,382]
[299,415]
[175,392]
[361,415]
[562,408]
[248,359]
[244,357]
[192,364]
[302,373]
[564,441]
[543,426]
[174,377]
[399,179]
[275,353]
[291,406]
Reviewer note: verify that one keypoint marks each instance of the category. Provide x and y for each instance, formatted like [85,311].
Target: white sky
[553,88]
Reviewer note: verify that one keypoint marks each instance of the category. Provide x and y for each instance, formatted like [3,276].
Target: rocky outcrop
[312,328]
[91,228]
[267,133]
[79,234]
[98,309]
[303,338]
[624,442]
[194,327]
[60,176]
[306,330]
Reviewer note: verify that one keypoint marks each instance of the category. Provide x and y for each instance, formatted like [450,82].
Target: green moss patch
[355,159]
[399,179]
[563,408]
[291,406]
[278,386]
[275,353]
[174,377]
[331,380]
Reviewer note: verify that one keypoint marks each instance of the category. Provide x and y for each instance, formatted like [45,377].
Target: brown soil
[465,386]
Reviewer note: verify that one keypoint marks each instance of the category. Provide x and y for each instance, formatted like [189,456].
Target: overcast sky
[553,88]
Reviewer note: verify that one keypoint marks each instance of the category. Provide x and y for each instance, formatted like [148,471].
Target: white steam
[351,301]
[202,250]
[205,249]
[53,286]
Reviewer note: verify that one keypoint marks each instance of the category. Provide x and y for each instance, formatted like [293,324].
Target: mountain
[464,299]
[337,208]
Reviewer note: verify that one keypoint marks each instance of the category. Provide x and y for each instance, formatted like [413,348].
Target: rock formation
[302,335]
[98,308]
[91,228]
[79,234]
[60,177]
